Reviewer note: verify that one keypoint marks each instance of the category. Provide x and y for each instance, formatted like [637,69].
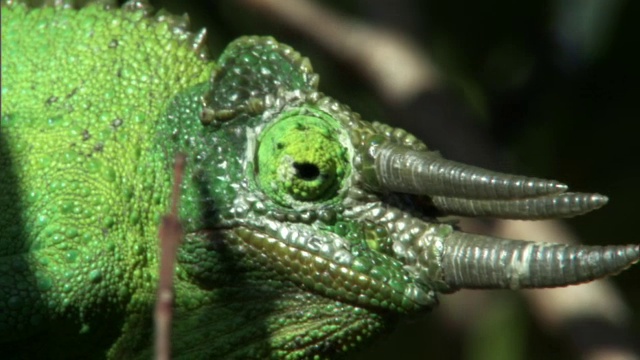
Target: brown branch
[170,234]
[392,62]
[400,71]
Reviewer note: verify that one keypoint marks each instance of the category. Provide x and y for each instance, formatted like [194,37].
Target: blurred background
[542,88]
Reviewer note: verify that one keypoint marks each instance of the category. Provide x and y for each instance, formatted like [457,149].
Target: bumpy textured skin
[95,104]
[296,245]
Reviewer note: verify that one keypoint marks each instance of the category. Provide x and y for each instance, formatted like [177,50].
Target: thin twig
[170,235]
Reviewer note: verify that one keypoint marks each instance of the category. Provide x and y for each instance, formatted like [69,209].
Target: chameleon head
[349,209]
[306,227]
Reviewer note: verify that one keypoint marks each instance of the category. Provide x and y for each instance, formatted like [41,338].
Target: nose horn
[483,262]
[461,189]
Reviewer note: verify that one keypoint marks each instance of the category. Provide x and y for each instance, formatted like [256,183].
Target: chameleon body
[306,228]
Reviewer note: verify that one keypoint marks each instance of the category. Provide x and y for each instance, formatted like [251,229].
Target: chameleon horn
[461,189]
[544,207]
[427,173]
[483,262]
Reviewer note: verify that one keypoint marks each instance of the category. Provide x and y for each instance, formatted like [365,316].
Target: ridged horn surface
[483,262]
[426,173]
[562,205]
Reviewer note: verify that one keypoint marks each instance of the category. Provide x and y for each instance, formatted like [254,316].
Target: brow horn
[461,189]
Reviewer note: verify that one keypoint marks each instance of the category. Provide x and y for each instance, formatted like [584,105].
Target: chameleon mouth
[324,262]
[333,266]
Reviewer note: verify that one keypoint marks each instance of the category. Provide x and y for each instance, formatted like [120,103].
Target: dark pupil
[306,171]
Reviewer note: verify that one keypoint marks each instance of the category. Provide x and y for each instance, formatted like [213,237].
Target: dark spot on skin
[174,134]
[85,135]
[279,146]
[99,147]
[116,123]
[51,100]
[306,171]
[113,44]
[73,92]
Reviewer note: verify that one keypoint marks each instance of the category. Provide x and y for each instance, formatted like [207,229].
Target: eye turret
[301,158]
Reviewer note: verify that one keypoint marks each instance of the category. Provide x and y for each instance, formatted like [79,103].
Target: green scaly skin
[86,153]
[293,247]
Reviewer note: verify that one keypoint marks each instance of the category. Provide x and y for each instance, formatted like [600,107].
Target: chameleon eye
[301,158]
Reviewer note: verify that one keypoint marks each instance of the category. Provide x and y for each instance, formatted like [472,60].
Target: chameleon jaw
[326,263]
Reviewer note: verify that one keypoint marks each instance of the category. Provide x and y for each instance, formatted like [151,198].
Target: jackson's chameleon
[307,229]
